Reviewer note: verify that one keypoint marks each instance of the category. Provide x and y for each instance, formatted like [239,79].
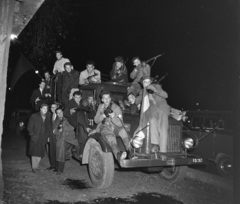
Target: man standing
[119,71]
[159,111]
[77,117]
[39,130]
[52,139]
[70,81]
[39,96]
[59,69]
[65,139]
[141,70]
[110,126]
[49,88]
[90,75]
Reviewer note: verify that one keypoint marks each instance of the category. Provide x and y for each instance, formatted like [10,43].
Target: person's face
[131,98]
[90,68]
[106,99]
[59,113]
[118,64]
[68,68]
[47,75]
[77,98]
[146,82]
[90,100]
[136,62]
[42,85]
[44,110]
[53,108]
[58,55]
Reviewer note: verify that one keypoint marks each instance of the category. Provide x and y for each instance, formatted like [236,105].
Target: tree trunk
[6,22]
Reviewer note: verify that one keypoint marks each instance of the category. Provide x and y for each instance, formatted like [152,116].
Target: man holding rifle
[141,70]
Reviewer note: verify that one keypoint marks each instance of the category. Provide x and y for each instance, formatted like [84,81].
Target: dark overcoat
[39,131]
[70,81]
[67,135]
[37,94]
[79,119]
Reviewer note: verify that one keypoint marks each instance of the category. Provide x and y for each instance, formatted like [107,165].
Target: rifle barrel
[154,58]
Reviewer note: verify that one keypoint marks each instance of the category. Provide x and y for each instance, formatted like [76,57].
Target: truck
[97,154]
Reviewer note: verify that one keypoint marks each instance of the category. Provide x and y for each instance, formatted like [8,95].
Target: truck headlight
[21,124]
[188,143]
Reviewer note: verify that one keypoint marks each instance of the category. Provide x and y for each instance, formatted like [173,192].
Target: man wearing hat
[119,71]
[39,131]
[141,70]
[159,112]
[90,75]
[59,69]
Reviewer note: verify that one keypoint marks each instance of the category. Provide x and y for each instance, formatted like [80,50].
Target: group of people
[68,127]
[61,130]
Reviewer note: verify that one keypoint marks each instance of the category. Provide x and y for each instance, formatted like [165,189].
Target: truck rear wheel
[100,167]
[174,174]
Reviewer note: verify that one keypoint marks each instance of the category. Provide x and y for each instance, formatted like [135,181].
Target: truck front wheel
[100,167]
[174,174]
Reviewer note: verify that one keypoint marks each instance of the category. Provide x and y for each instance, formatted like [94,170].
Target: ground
[22,186]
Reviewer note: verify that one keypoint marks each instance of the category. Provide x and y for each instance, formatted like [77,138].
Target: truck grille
[174,139]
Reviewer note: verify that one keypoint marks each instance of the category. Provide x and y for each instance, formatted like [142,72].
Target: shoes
[121,156]
[163,156]
[34,171]
[129,154]
[155,148]
[50,168]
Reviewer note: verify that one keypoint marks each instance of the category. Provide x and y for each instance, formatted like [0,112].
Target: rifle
[154,57]
[156,81]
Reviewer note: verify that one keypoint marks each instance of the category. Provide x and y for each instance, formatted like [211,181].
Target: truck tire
[224,165]
[174,174]
[100,167]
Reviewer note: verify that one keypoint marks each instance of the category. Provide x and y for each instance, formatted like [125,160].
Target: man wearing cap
[119,71]
[90,75]
[159,112]
[39,131]
[70,81]
[75,113]
[110,126]
[59,69]
[141,70]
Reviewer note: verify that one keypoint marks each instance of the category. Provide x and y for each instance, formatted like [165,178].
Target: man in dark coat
[65,136]
[52,139]
[39,96]
[49,87]
[38,128]
[70,81]
[77,117]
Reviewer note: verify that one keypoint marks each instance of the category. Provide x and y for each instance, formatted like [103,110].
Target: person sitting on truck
[90,75]
[109,118]
[141,70]
[119,71]
[159,112]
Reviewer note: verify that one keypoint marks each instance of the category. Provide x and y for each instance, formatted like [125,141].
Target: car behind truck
[100,160]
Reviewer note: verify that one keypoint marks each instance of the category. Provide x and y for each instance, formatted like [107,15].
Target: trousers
[159,129]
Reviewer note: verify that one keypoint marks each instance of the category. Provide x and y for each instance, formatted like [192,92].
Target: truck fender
[94,139]
[220,155]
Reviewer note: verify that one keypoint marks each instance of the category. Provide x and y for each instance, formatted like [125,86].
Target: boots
[119,155]
[128,147]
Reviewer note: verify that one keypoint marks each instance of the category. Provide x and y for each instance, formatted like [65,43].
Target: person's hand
[73,110]
[112,115]
[48,87]
[88,129]
[37,99]
[127,103]
[92,132]
[86,81]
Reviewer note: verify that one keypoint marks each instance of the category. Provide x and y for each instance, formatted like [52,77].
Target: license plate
[197,160]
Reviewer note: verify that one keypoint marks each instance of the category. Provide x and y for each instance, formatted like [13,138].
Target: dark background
[199,40]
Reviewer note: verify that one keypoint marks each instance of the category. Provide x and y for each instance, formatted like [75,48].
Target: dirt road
[22,186]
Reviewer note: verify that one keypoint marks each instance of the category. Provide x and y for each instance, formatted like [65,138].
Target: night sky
[198,39]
